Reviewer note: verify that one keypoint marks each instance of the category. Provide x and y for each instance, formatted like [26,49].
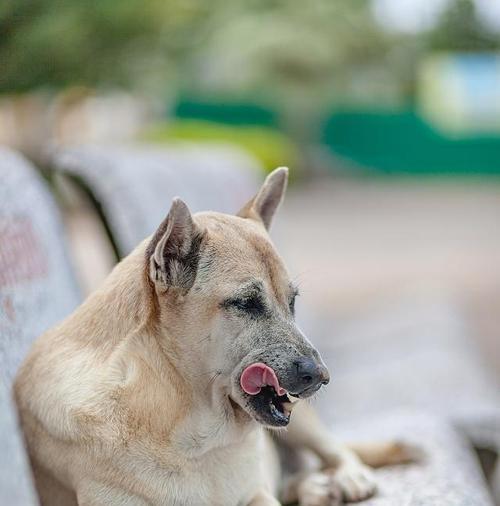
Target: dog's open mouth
[271,408]
[270,402]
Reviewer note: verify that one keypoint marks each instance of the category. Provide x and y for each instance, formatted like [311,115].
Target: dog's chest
[223,476]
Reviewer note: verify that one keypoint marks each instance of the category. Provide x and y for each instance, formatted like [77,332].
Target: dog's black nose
[309,375]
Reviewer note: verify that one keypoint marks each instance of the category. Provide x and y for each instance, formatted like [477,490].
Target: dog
[161,387]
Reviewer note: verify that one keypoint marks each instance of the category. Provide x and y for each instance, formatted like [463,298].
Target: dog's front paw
[319,489]
[356,481]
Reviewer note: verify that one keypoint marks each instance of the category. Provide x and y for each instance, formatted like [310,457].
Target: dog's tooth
[292,399]
[287,407]
[274,410]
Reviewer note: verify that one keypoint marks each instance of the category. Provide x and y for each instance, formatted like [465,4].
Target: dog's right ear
[264,205]
[173,252]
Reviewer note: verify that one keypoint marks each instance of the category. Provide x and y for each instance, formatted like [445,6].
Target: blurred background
[387,112]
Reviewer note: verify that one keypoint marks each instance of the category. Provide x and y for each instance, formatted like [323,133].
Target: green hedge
[402,142]
[243,113]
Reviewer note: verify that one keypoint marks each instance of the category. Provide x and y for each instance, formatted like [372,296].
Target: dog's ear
[173,252]
[264,205]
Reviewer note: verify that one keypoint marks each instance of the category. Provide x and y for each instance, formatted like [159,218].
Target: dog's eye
[252,305]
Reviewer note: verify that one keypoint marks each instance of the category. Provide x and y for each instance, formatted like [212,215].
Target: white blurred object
[460,93]
[410,16]
[414,16]
[488,12]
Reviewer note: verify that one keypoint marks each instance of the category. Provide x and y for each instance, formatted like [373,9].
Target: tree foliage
[328,47]
[461,30]
[112,42]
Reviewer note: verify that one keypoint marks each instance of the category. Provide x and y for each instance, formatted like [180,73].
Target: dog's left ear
[173,252]
[264,205]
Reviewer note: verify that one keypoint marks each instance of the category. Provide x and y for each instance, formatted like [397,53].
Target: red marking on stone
[21,256]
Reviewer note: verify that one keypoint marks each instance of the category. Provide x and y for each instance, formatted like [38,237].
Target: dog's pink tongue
[259,375]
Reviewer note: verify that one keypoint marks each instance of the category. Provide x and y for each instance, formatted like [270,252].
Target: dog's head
[226,307]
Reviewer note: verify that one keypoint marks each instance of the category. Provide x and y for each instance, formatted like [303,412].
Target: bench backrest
[134,185]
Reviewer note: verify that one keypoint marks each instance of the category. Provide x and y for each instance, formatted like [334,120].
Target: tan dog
[158,388]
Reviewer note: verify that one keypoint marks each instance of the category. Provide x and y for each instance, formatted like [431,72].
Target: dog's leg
[263,498]
[307,431]
[342,464]
[385,453]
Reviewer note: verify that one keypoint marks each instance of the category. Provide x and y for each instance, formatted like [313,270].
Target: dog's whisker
[204,339]
[208,373]
[214,377]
